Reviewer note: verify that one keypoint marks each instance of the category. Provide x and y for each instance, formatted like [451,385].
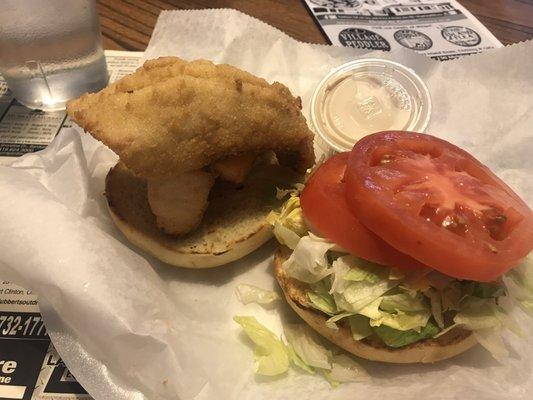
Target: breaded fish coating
[179,203]
[173,116]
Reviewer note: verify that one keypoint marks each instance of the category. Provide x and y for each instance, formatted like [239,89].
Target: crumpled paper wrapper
[130,327]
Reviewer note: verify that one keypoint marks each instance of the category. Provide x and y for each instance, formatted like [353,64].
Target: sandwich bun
[233,226]
[446,346]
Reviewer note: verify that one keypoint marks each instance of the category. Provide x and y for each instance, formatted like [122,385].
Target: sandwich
[202,149]
[399,250]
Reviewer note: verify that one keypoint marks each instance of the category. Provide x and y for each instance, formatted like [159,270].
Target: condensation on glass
[50,51]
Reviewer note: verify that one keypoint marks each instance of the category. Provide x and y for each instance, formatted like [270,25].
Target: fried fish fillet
[179,203]
[173,116]
[235,168]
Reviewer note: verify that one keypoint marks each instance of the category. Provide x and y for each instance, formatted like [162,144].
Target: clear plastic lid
[366,96]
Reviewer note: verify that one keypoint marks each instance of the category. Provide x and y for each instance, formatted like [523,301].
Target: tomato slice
[437,203]
[324,205]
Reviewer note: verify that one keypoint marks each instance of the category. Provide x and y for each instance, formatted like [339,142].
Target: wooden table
[128,24]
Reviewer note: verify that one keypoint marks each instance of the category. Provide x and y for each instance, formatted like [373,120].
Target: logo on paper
[337,3]
[363,39]
[461,36]
[413,40]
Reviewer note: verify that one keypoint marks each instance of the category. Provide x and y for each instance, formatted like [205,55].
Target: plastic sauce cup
[366,96]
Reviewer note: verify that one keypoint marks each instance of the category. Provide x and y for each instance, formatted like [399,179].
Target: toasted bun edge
[193,260]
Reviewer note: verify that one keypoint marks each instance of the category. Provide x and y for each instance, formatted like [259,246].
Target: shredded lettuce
[416,282]
[486,320]
[479,314]
[286,236]
[308,262]
[372,310]
[304,344]
[395,338]
[436,306]
[357,295]
[360,326]
[311,356]
[451,296]
[303,350]
[402,321]
[520,281]
[360,288]
[403,312]
[253,294]
[439,281]
[353,295]
[340,268]
[297,361]
[403,302]
[345,369]
[323,302]
[292,217]
[364,271]
[271,355]
[485,290]
[327,374]
[445,331]
[289,224]
[491,340]
[331,322]
[399,310]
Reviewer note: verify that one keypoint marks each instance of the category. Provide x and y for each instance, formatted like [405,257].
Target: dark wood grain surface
[128,24]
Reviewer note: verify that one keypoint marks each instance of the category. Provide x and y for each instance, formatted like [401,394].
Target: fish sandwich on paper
[202,149]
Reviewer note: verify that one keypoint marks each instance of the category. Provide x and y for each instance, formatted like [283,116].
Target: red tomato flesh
[437,203]
[324,206]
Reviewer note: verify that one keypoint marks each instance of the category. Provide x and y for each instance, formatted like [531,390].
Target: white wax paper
[130,327]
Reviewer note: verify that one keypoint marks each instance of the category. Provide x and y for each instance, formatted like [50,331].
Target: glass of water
[50,51]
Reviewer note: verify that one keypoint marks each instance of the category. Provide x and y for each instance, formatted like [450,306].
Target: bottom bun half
[233,226]
[449,345]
